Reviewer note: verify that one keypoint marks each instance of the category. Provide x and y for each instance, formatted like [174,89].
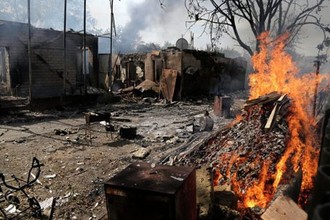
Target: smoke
[150,19]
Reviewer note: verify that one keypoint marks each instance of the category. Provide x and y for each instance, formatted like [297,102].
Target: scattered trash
[79,169]
[19,141]
[37,180]
[127,132]
[141,153]
[50,149]
[51,176]
[46,203]
[11,209]
[96,204]
[206,123]
[60,132]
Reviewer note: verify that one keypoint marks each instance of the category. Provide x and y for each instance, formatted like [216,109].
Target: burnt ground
[74,170]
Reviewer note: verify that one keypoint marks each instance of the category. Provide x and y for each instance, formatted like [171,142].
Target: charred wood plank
[274,116]
[262,100]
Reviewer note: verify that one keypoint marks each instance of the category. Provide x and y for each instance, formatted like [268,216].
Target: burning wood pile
[246,153]
[273,140]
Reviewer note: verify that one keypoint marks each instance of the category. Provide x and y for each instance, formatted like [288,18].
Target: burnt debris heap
[245,153]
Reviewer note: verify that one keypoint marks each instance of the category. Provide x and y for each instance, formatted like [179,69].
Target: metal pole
[64,49]
[29,51]
[317,63]
[111,33]
[84,50]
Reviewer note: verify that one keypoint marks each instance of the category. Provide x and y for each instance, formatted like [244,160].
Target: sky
[157,24]
[154,23]
[145,20]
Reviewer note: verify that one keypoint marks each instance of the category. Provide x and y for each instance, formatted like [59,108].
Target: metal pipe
[29,51]
[110,55]
[51,215]
[84,51]
[317,63]
[64,48]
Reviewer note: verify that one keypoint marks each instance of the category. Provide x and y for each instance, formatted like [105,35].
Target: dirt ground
[74,170]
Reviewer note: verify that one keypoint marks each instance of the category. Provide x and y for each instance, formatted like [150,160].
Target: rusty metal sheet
[217,106]
[168,82]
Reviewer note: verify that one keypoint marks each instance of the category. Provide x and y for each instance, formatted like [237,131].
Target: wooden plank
[271,97]
[270,121]
[284,208]
[273,115]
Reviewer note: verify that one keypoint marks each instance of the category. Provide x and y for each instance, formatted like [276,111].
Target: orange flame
[255,178]
[276,71]
[255,195]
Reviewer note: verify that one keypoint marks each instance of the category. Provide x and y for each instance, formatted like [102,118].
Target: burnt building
[47,61]
[185,73]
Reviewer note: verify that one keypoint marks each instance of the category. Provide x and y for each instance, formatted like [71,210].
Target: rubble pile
[245,154]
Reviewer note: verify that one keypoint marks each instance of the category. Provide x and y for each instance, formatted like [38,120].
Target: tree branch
[274,16]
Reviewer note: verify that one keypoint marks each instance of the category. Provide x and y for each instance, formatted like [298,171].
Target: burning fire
[276,71]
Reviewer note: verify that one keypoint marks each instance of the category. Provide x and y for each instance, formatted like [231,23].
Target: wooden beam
[284,208]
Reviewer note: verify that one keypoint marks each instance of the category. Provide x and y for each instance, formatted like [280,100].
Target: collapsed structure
[181,73]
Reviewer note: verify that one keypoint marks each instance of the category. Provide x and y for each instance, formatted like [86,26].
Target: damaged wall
[127,70]
[209,73]
[197,72]
[149,64]
[47,60]
[103,60]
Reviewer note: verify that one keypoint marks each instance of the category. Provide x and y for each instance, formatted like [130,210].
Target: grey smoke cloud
[151,18]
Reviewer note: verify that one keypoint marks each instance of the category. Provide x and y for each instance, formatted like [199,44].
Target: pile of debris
[260,128]
[246,153]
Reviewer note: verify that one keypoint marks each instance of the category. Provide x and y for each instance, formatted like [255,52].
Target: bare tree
[274,16]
